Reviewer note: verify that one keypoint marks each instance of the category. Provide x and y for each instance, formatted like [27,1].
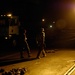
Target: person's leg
[21,52]
[43,51]
[39,52]
[28,49]
[20,47]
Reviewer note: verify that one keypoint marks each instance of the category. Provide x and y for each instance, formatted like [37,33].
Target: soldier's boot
[44,53]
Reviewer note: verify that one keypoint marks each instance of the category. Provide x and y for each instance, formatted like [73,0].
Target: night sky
[31,12]
[30,8]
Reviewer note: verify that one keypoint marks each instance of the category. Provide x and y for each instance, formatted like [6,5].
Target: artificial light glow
[50,26]
[10,35]
[73,7]
[74,10]
[43,19]
[1,15]
[6,37]
[53,21]
[9,15]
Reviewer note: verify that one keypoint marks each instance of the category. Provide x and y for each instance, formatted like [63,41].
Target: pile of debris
[18,71]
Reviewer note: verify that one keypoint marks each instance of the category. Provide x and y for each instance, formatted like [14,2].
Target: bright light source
[6,37]
[50,26]
[10,35]
[43,19]
[9,15]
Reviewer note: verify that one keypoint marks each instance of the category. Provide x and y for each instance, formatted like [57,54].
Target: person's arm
[25,36]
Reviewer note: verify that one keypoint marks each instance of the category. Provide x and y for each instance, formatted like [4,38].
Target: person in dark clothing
[27,45]
[23,43]
[41,43]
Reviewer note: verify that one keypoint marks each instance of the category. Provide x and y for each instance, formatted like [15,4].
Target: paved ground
[56,63]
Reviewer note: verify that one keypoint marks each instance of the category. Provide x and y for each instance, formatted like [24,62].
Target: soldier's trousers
[26,46]
[41,50]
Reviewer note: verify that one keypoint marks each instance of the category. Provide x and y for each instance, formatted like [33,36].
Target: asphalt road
[55,63]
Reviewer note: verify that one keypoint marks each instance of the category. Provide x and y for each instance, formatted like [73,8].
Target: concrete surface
[53,64]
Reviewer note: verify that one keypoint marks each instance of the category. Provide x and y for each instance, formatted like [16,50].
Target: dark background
[31,12]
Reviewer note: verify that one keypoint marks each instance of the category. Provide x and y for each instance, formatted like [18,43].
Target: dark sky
[30,7]
[32,11]
[33,7]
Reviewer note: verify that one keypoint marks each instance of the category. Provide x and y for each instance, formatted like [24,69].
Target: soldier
[26,44]
[41,43]
[23,43]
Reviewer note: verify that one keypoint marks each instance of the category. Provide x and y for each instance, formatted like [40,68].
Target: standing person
[41,43]
[23,43]
[26,44]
